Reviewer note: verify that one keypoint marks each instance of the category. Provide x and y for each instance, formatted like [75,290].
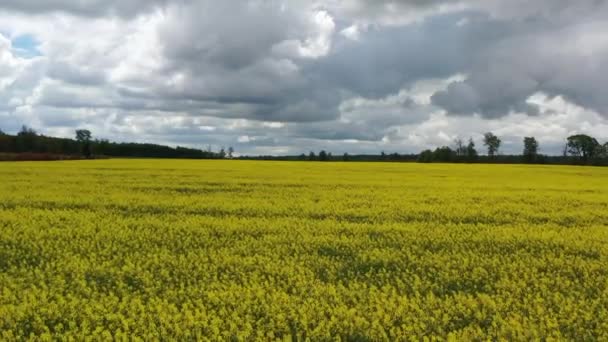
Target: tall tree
[582,146]
[461,149]
[26,139]
[83,136]
[603,152]
[530,149]
[312,156]
[323,155]
[492,142]
[230,152]
[26,131]
[471,151]
[345,157]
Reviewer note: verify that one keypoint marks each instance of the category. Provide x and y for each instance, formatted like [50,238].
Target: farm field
[245,250]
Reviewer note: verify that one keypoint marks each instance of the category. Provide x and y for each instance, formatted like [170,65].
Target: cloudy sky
[285,77]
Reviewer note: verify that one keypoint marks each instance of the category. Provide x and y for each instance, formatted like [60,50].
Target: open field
[269,250]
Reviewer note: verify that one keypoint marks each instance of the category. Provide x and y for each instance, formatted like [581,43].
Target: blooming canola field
[244,250]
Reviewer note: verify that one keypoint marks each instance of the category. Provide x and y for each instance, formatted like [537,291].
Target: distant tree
[230,152]
[345,157]
[530,149]
[312,156]
[83,136]
[26,131]
[302,156]
[492,142]
[444,154]
[382,155]
[102,146]
[471,151]
[26,139]
[425,156]
[222,153]
[603,152]
[582,146]
[323,156]
[461,149]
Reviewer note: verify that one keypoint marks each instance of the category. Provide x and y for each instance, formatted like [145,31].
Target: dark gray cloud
[89,8]
[492,94]
[282,88]
[255,60]
[384,60]
[559,55]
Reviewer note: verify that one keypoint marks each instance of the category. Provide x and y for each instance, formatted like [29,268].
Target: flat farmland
[245,250]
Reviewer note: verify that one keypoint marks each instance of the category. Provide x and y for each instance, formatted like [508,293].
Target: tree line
[578,149]
[27,140]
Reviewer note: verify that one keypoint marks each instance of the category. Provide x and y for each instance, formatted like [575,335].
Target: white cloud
[352,32]
[316,43]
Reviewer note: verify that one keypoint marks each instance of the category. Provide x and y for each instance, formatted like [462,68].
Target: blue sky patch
[26,46]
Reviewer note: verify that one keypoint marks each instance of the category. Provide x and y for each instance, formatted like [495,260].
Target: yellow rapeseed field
[241,250]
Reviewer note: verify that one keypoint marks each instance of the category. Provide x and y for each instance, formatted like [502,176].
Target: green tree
[492,142]
[471,151]
[26,139]
[602,153]
[444,154]
[230,152]
[312,156]
[582,146]
[26,131]
[425,156]
[345,157]
[461,149]
[323,156]
[83,136]
[530,149]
